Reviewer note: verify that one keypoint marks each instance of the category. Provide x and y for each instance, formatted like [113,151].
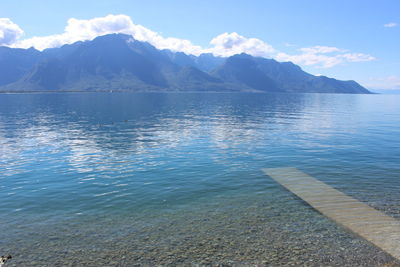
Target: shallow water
[175,179]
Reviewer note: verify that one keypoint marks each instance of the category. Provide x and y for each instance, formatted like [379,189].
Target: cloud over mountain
[82,30]
[229,44]
[225,44]
[9,32]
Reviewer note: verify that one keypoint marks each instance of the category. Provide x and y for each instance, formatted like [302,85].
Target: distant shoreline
[386,92]
[174,92]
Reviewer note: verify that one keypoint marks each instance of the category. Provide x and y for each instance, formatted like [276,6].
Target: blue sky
[353,39]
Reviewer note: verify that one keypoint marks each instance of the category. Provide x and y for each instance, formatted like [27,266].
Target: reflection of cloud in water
[10,158]
[226,134]
[91,143]
[20,146]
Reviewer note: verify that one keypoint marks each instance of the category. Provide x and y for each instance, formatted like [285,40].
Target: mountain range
[117,62]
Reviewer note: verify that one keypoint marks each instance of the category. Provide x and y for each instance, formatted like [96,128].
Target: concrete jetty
[378,228]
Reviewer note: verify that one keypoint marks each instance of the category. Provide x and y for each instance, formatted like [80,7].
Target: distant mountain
[269,75]
[204,62]
[118,62]
[15,63]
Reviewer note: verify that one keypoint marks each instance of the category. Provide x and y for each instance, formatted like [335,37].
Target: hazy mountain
[204,62]
[269,75]
[118,62]
[15,63]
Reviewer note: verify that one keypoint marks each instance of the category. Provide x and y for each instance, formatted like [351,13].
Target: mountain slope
[269,75]
[15,63]
[243,69]
[118,62]
[204,62]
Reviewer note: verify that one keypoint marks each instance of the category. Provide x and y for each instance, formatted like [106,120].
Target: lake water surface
[115,179]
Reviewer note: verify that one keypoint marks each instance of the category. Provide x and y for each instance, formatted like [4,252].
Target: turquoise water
[175,179]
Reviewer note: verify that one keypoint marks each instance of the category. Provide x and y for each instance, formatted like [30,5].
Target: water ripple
[74,161]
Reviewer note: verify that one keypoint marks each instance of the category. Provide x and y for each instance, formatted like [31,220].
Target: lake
[116,179]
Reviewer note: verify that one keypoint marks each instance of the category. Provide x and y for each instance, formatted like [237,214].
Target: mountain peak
[114,36]
[242,55]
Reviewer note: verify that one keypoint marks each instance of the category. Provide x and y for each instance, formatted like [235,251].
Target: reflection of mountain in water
[98,132]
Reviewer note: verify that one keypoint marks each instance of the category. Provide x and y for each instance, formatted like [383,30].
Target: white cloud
[323,56]
[319,49]
[356,57]
[226,44]
[308,59]
[9,31]
[390,25]
[81,30]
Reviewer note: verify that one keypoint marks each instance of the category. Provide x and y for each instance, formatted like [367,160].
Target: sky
[348,40]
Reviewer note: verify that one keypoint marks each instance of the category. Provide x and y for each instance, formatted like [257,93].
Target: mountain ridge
[118,62]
